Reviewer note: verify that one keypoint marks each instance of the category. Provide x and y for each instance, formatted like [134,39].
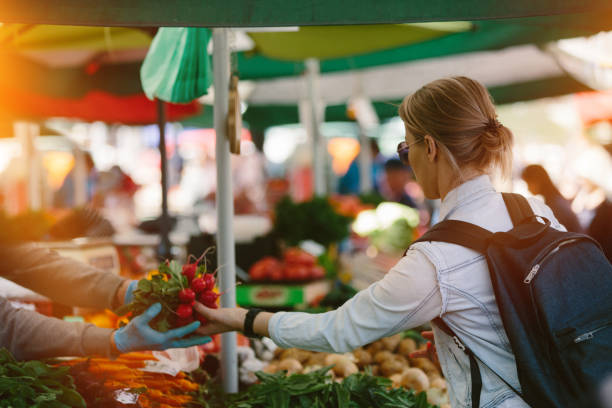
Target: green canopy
[264,61]
[274,13]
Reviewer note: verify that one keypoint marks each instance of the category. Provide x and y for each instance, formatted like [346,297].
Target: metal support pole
[29,132]
[225,205]
[80,177]
[318,152]
[164,231]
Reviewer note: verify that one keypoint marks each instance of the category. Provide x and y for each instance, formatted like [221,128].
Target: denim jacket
[468,301]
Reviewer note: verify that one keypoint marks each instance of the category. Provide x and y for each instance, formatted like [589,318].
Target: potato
[344,369]
[300,355]
[309,369]
[392,366]
[336,359]
[396,380]
[406,347]
[375,347]
[383,356]
[436,396]
[415,379]
[434,376]
[277,352]
[424,364]
[291,365]
[392,342]
[316,359]
[271,368]
[375,370]
[362,357]
[438,383]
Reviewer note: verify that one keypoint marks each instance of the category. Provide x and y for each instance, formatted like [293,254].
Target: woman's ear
[432,148]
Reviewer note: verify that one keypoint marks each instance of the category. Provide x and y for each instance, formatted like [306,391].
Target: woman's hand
[219,320]
[429,351]
[229,319]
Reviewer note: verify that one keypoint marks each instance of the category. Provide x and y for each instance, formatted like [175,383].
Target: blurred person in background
[397,177]
[539,183]
[601,229]
[349,183]
[65,196]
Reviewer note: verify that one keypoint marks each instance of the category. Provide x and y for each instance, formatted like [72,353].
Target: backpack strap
[474,368]
[518,207]
[459,233]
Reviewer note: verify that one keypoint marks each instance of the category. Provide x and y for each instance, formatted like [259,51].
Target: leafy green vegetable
[34,384]
[317,390]
[310,220]
[163,288]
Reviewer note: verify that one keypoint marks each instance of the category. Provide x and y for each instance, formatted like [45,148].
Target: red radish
[199,284]
[184,311]
[187,296]
[210,281]
[209,298]
[189,271]
[201,319]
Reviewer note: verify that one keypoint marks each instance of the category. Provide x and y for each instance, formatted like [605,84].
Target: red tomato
[265,268]
[276,275]
[298,256]
[297,272]
[317,272]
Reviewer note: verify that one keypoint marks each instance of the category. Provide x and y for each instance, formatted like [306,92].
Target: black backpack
[554,293]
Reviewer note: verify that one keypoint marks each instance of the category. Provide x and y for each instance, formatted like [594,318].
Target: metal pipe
[318,153]
[164,245]
[225,205]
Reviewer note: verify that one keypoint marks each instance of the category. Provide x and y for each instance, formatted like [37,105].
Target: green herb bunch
[175,287]
[310,220]
[34,384]
[317,390]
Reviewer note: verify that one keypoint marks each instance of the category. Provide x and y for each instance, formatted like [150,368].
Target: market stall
[112,15]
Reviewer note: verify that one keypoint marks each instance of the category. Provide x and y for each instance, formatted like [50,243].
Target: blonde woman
[454,143]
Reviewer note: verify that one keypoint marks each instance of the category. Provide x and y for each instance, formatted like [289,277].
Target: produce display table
[281,295]
[365,269]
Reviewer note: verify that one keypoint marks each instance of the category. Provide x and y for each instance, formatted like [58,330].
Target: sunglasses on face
[403,149]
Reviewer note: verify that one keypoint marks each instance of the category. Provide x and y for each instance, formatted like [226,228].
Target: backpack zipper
[534,270]
[589,335]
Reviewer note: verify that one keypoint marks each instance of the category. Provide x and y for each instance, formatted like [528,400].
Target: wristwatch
[249,319]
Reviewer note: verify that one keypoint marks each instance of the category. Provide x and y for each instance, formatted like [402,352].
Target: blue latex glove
[138,335]
[129,293]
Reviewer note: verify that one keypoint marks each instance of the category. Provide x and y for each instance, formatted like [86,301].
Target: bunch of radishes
[176,287]
[201,287]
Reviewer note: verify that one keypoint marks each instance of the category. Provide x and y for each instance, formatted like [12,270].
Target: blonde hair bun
[459,113]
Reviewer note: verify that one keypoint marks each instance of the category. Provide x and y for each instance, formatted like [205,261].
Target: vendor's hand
[125,293]
[220,320]
[129,292]
[138,335]
[429,351]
